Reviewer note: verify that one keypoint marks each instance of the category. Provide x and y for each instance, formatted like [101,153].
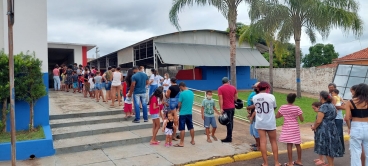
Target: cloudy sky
[115,24]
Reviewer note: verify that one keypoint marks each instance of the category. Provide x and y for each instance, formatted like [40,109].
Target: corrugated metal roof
[208,55]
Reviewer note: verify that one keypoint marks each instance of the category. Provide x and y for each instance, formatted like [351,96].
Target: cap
[225,80]
[255,85]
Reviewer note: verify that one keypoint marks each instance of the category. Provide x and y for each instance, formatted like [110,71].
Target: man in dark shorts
[186,100]
[227,97]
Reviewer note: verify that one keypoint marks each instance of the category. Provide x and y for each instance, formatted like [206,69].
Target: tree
[286,60]
[240,27]
[312,15]
[4,88]
[320,54]
[29,82]
[228,9]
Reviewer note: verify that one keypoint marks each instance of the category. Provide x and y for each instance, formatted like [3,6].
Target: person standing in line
[86,83]
[327,141]
[117,77]
[154,82]
[265,105]
[252,118]
[290,133]
[138,91]
[227,96]
[91,82]
[98,87]
[108,78]
[69,77]
[80,86]
[155,115]
[357,122]
[75,81]
[56,77]
[173,94]
[75,67]
[208,116]
[167,83]
[186,100]
[93,70]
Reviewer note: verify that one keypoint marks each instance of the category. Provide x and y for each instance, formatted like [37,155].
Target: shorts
[108,85]
[173,103]
[98,86]
[128,107]
[75,85]
[86,86]
[92,89]
[210,121]
[253,130]
[155,116]
[168,131]
[185,120]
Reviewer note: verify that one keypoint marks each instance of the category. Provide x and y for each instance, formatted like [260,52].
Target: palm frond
[311,34]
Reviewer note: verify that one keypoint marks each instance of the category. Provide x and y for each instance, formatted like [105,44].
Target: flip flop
[253,145]
[255,149]
[319,162]
[178,146]
[192,142]
[154,143]
[209,141]
[214,138]
[294,163]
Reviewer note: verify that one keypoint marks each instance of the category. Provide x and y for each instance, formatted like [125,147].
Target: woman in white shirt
[117,77]
[265,105]
[154,81]
[167,82]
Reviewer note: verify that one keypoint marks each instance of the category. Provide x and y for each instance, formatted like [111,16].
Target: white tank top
[116,79]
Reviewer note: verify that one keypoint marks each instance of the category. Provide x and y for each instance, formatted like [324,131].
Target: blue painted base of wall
[24,149]
[39,148]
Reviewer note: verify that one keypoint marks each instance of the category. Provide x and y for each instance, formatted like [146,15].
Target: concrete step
[96,129]
[78,121]
[99,141]
[88,114]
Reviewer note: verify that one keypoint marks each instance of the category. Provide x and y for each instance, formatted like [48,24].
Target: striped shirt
[290,129]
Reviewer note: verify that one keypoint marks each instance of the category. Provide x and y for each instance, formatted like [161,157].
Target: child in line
[208,109]
[155,112]
[335,95]
[98,87]
[128,107]
[91,82]
[290,133]
[62,82]
[315,107]
[168,127]
[75,81]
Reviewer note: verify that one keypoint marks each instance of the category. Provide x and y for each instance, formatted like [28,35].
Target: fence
[199,95]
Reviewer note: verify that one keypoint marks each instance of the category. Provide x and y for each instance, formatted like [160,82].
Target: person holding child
[290,133]
[208,109]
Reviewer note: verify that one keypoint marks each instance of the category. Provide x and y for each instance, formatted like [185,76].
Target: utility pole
[11,77]
[97,51]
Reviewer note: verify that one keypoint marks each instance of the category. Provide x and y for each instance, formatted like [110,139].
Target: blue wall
[212,77]
[39,148]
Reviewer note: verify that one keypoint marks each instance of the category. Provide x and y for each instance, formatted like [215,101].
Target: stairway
[98,130]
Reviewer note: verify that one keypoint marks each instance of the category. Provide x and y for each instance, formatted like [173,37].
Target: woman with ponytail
[327,141]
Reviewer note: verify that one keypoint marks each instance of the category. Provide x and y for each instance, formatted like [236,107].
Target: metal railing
[199,95]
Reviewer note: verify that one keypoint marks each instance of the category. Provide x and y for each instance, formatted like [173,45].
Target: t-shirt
[91,84]
[151,109]
[208,107]
[167,81]
[228,95]
[250,98]
[156,79]
[75,78]
[265,111]
[108,75]
[116,79]
[98,79]
[186,99]
[56,72]
[140,79]
[78,71]
[75,68]
[174,90]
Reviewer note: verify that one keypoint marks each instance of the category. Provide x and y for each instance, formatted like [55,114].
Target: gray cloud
[113,25]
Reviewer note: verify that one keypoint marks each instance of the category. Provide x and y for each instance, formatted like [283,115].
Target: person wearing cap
[227,96]
[251,116]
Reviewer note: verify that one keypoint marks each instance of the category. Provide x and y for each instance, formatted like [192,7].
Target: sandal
[254,149]
[294,163]
[320,162]
[209,141]
[214,138]
[253,145]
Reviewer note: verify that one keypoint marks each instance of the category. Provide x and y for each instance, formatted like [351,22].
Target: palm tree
[310,15]
[228,8]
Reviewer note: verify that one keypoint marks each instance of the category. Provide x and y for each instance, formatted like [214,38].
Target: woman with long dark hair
[69,78]
[173,95]
[357,111]
[327,141]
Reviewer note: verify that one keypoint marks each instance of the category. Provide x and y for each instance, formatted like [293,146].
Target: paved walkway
[308,156]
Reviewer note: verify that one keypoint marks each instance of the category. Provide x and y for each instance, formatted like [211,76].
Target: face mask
[209,97]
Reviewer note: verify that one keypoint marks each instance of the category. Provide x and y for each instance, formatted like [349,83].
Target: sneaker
[146,120]
[170,144]
[226,141]
[166,145]
[136,121]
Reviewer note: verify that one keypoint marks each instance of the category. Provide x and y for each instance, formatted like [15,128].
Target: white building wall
[78,54]
[125,55]
[198,37]
[30,28]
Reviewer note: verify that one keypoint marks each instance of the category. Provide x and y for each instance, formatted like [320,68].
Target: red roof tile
[362,54]
[332,65]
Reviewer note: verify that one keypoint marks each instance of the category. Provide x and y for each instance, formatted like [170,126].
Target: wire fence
[199,95]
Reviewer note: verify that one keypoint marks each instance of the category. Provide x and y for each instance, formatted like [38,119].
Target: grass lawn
[304,103]
[24,135]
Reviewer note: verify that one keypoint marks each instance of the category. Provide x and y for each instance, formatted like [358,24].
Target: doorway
[58,56]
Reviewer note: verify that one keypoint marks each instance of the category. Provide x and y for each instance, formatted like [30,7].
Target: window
[348,75]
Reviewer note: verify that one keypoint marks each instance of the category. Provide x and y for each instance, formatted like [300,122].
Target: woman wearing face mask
[167,83]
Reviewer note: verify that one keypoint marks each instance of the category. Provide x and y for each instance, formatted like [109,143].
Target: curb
[249,155]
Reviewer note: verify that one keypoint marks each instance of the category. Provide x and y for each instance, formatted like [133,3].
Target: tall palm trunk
[271,64]
[4,111]
[297,62]
[31,114]
[232,16]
